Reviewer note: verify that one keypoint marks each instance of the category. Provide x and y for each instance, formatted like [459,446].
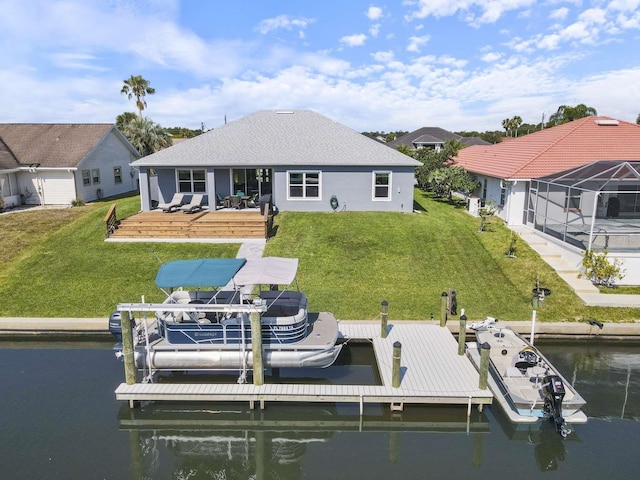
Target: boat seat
[513,372]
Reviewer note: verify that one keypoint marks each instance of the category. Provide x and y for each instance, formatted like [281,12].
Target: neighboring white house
[300,158]
[564,182]
[55,164]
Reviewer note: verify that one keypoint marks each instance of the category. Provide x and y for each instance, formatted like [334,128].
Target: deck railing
[111,221]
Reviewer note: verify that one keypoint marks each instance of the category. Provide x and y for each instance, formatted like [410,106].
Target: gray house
[55,164]
[301,158]
[433,138]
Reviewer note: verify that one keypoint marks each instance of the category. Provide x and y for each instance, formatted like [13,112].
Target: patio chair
[195,205]
[173,205]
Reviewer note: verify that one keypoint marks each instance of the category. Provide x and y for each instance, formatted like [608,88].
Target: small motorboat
[204,323]
[531,386]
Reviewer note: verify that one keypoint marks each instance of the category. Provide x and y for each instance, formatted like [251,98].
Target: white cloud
[490,57]
[474,12]
[374,13]
[374,29]
[416,43]
[383,56]
[354,40]
[559,14]
[283,22]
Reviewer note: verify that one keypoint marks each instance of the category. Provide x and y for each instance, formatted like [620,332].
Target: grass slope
[56,264]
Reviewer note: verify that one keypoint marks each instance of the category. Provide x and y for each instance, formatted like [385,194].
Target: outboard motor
[115,327]
[554,392]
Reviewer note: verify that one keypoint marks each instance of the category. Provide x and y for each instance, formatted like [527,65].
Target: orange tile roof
[556,149]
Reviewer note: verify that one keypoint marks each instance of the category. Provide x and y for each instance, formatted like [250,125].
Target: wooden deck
[225,223]
[432,372]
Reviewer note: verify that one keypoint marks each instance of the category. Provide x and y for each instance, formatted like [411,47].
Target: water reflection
[230,442]
[61,420]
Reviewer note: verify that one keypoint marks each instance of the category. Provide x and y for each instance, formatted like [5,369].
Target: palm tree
[123,119]
[137,87]
[148,137]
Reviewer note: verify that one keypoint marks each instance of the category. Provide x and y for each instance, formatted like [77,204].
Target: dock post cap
[384,302]
[485,346]
[444,294]
[397,344]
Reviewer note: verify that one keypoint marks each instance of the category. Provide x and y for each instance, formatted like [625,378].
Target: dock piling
[395,374]
[462,333]
[384,316]
[444,300]
[127,348]
[485,349]
[256,346]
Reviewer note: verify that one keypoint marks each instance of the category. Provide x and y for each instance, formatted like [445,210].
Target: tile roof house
[514,163]
[546,181]
[299,157]
[432,137]
[55,164]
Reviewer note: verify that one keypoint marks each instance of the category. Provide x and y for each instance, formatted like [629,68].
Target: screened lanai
[596,206]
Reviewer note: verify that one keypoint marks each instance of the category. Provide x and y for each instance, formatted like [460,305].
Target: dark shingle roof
[436,135]
[52,145]
[8,160]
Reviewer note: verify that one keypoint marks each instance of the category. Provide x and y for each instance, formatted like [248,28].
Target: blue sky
[457,64]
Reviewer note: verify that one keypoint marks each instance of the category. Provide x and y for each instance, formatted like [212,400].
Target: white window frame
[95,176]
[374,175]
[86,178]
[191,180]
[117,175]
[304,185]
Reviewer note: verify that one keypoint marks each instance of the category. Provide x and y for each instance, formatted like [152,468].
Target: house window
[485,183]
[117,174]
[304,185]
[572,202]
[382,185]
[86,177]
[503,195]
[95,176]
[191,181]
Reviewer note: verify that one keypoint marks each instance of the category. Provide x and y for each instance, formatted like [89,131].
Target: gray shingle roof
[276,138]
[52,145]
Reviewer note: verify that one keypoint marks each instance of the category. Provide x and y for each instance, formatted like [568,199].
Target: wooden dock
[432,372]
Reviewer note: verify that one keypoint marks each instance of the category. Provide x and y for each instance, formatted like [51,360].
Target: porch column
[145,194]
[211,189]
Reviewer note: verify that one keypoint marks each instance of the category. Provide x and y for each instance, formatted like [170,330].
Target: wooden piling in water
[256,346]
[462,333]
[127,348]
[485,349]
[444,300]
[395,374]
[384,317]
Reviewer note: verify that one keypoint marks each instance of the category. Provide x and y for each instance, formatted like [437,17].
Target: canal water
[60,420]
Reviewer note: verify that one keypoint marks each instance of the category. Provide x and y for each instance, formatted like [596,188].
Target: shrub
[599,270]
[78,202]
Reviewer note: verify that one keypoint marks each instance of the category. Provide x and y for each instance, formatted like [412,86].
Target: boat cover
[267,271]
[204,272]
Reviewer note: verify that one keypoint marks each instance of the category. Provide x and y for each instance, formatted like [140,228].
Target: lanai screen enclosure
[596,206]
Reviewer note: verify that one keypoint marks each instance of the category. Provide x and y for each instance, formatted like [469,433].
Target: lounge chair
[195,205]
[174,204]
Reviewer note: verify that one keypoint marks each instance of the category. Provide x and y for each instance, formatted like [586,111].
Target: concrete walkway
[564,263]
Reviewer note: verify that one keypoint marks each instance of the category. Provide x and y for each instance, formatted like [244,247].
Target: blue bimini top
[204,272]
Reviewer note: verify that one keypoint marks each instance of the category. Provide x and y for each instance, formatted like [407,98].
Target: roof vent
[284,112]
[607,122]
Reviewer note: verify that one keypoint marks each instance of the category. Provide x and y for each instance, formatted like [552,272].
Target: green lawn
[59,265]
